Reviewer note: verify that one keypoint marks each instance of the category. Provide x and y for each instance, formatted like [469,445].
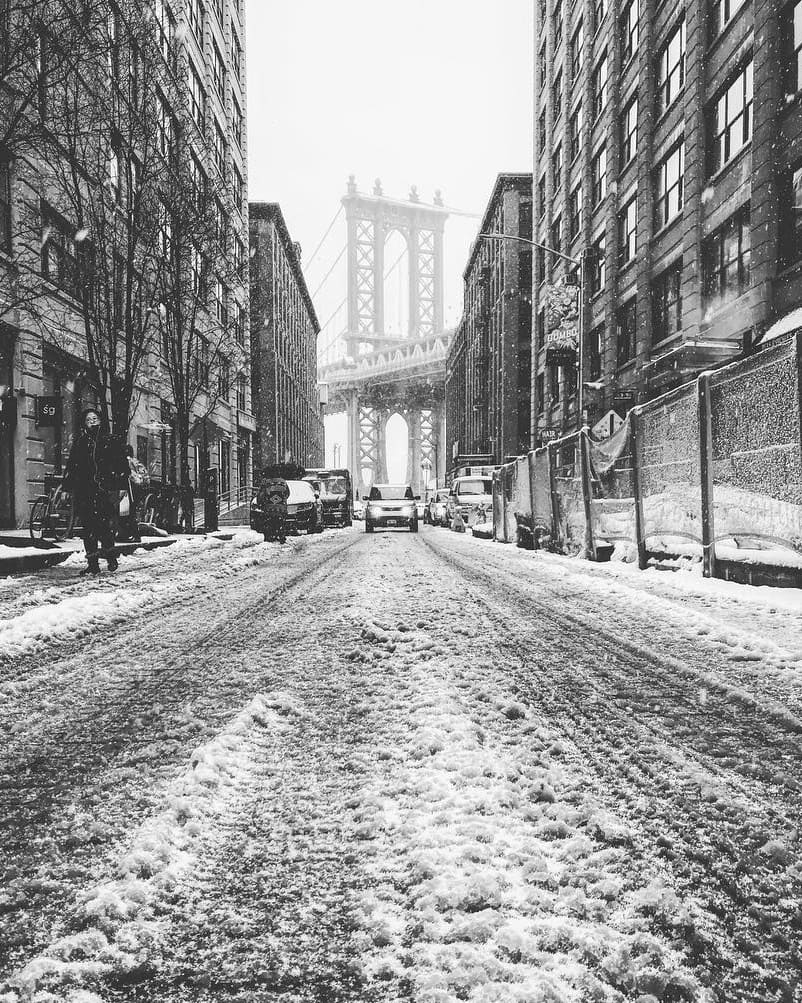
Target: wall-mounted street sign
[48,412]
[560,356]
[623,400]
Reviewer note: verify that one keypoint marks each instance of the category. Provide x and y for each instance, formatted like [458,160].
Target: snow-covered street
[396,767]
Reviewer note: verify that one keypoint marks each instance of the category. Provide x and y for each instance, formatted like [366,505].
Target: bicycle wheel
[149,508]
[62,517]
[38,520]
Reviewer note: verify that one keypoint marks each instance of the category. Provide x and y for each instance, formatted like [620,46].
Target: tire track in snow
[740,881]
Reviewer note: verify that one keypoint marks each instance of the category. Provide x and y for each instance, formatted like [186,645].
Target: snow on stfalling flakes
[391,768]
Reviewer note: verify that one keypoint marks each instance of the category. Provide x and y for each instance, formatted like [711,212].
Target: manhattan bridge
[373,371]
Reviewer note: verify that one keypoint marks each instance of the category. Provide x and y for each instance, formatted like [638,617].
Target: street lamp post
[580,264]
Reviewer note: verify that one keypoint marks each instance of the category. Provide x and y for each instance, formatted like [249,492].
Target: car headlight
[407,510]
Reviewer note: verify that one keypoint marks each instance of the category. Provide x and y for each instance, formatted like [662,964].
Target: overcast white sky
[436,93]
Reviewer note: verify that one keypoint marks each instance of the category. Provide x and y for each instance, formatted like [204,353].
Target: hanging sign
[48,412]
[606,426]
[548,435]
[560,356]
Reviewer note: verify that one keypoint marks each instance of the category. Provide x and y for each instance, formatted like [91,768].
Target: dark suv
[391,505]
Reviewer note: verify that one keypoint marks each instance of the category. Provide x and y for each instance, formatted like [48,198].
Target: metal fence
[713,467]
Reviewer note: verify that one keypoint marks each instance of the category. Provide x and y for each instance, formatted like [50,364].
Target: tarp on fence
[540,478]
[568,494]
[518,507]
[668,457]
[757,459]
[613,500]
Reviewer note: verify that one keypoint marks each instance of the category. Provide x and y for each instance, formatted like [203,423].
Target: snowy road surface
[383,768]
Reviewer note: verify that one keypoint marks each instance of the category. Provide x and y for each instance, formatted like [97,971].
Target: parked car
[472,497]
[335,493]
[420,507]
[391,505]
[304,508]
[437,509]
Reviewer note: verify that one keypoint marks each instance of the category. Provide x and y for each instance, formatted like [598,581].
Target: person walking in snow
[96,472]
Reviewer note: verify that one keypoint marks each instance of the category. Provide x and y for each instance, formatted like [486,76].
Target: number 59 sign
[48,412]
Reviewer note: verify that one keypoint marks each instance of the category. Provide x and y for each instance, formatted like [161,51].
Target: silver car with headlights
[391,505]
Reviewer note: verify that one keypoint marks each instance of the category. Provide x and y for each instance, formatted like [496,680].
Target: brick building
[181,68]
[488,369]
[668,148]
[284,330]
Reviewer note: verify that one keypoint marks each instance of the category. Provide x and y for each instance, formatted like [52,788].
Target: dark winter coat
[97,464]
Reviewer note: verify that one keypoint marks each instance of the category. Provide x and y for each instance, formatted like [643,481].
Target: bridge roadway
[395,767]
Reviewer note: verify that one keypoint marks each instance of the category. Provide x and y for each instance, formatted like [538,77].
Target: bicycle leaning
[53,513]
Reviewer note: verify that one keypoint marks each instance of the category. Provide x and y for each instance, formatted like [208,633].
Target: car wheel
[413,526]
[368,527]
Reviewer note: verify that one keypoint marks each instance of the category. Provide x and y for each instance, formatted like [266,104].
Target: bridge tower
[370,220]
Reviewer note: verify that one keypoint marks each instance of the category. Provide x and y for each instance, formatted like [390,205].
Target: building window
[218,71]
[236,54]
[237,187]
[730,120]
[195,18]
[629,30]
[62,255]
[557,23]
[166,25]
[721,13]
[237,122]
[575,133]
[198,269]
[540,329]
[554,381]
[197,180]
[598,169]
[600,86]
[556,233]
[577,49]
[667,303]
[541,194]
[792,33]
[220,153]
[628,231]
[240,324]
[557,166]
[629,131]
[598,272]
[599,10]
[595,343]
[201,360]
[223,377]
[557,95]
[726,258]
[541,131]
[221,303]
[197,98]
[541,393]
[668,186]
[575,212]
[164,125]
[671,68]
[626,324]
[540,265]
[242,394]
[5,205]
[239,255]
[791,217]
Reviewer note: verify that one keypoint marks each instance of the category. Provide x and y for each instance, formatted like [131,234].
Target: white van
[472,497]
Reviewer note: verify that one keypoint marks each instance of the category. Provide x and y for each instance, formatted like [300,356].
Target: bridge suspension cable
[326,277]
[323,238]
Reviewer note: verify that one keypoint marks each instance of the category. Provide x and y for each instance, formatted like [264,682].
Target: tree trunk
[186,494]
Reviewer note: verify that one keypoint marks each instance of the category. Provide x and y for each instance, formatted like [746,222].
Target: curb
[50,558]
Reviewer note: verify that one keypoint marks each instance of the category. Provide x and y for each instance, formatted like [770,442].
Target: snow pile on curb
[514,885]
[117,923]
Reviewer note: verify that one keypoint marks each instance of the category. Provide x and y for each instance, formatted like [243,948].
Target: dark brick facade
[739,206]
[284,330]
[488,407]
